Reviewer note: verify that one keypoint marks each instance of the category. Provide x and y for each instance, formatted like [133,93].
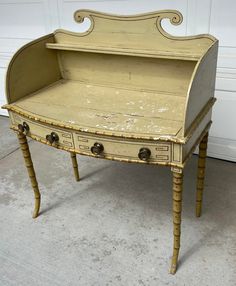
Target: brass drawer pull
[53,137]
[144,154]
[97,148]
[24,127]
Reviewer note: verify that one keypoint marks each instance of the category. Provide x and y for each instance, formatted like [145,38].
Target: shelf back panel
[160,75]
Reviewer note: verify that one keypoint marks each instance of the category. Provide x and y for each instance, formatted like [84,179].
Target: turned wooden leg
[30,168]
[201,174]
[75,165]
[177,207]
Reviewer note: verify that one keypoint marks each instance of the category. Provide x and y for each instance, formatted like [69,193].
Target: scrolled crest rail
[174,16]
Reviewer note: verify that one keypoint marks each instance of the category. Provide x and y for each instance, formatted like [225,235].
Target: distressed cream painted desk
[124,90]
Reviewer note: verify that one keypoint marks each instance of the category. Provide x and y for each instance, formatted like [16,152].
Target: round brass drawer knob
[24,127]
[144,154]
[53,137]
[97,148]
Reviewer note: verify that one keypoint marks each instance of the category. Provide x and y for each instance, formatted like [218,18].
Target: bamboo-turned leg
[201,174]
[177,207]
[75,165]
[30,168]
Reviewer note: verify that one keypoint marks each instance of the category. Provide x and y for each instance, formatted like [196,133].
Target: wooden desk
[124,90]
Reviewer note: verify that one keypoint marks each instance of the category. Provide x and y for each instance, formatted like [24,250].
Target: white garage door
[24,20]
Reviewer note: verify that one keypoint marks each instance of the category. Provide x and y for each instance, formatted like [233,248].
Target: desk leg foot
[177,208]
[30,168]
[75,165]
[201,174]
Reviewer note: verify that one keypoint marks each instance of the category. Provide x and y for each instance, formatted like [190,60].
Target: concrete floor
[114,227]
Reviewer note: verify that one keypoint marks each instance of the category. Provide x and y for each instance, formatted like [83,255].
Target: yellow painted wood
[201,174]
[187,148]
[136,32]
[30,168]
[124,87]
[164,76]
[123,148]
[202,86]
[124,111]
[41,131]
[177,208]
[75,165]
[124,51]
[31,68]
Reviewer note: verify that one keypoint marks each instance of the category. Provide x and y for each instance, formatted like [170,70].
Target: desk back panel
[159,75]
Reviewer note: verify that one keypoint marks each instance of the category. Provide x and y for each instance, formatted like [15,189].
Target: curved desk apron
[124,90]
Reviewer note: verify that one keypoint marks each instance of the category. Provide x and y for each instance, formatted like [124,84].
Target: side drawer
[122,148]
[40,131]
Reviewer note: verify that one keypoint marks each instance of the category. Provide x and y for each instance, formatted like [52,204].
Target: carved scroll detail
[80,16]
[174,16]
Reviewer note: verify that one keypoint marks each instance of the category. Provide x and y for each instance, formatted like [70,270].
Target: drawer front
[40,131]
[113,148]
[122,148]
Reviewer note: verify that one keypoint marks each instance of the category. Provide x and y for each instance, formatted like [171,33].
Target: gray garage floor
[114,227]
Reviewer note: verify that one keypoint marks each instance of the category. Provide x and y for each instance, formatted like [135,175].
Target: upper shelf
[184,55]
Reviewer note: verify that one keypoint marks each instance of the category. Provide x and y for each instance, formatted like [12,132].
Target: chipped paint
[162,109]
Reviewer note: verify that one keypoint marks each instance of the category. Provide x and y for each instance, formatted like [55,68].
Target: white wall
[24,20]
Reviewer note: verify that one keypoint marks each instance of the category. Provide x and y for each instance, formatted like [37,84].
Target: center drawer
[122,148]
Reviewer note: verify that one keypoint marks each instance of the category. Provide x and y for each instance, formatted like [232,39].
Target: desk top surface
[111,110]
